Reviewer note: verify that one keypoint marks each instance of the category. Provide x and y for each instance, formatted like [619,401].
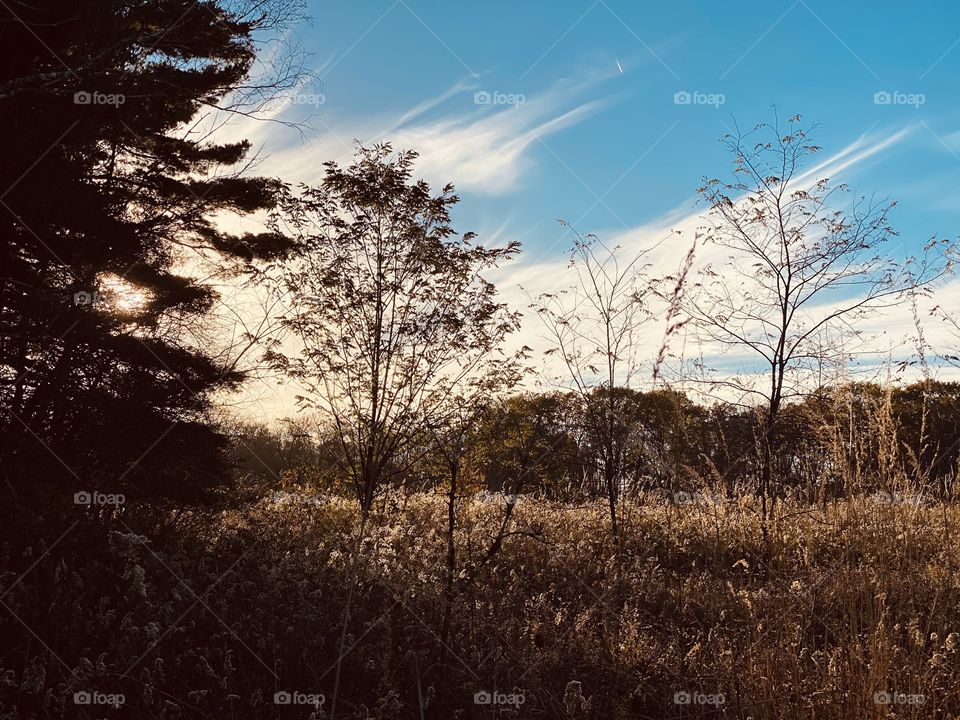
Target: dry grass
[838,605]
[841,604]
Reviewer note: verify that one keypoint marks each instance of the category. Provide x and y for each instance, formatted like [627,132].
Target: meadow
[847,611]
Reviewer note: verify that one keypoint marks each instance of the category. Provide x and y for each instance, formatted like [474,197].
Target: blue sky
[381,60]
[584,122]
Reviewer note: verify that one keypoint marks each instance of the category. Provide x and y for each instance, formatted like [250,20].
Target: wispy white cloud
[883,336]
[674,231]
[490,154]
[484,148]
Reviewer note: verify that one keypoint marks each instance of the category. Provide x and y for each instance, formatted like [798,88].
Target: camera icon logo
[481,97]
[82,498]
[682,97]
[82,98]
[282,698]
[482,698]
[82,698]
[882,97]
[682,698]
[881,698]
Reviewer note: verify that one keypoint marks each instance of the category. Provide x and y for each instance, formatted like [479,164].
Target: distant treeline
[850,439]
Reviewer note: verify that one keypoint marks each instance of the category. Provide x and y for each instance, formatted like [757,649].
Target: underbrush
[849,611]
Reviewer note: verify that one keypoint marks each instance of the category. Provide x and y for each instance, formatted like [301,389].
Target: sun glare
[123,295]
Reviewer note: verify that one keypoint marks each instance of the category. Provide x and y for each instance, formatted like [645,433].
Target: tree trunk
[449,593]
[766,469]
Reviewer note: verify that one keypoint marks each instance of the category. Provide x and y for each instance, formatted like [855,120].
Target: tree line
[892,442]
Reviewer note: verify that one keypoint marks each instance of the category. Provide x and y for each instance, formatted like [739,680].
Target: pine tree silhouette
[104,178]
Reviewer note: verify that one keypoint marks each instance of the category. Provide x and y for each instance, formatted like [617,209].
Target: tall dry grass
[840,603]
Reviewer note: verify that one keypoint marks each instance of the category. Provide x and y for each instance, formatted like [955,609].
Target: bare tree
[390,309]
[800,271]
[594,326]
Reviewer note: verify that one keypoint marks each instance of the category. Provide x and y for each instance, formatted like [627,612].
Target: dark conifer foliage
[107,190]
